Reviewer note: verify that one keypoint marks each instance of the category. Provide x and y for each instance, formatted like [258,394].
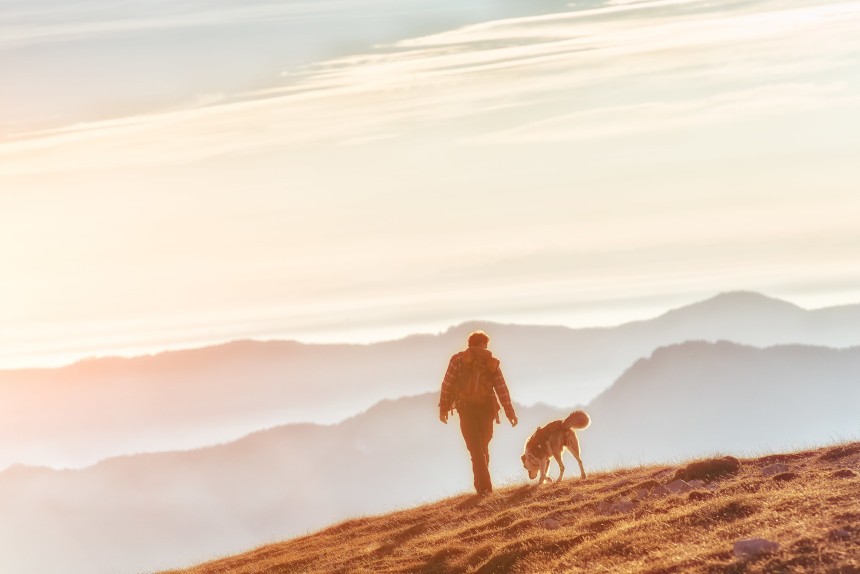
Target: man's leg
[477,428]
[485,423]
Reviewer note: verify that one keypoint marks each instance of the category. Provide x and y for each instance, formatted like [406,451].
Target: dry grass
[812,511]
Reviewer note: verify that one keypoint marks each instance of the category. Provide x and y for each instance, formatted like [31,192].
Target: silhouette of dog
[550,441]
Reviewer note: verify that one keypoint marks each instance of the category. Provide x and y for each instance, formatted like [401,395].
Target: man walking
[475,386]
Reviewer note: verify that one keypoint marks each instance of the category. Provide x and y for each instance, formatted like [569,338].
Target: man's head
[479,339]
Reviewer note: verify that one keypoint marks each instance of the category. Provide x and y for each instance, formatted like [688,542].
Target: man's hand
[514,420]
[443,416]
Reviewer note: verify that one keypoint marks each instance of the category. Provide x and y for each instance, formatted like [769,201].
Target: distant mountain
[161,510]
[696,398]
[94,409]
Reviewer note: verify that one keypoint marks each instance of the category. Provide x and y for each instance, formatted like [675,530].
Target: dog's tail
[577,420]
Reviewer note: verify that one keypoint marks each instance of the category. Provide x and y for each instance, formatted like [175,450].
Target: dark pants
[476,423]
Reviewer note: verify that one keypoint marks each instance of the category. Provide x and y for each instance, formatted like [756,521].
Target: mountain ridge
[185,399]
[730,299]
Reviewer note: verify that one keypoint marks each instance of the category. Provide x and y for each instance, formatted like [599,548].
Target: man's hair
[478,339]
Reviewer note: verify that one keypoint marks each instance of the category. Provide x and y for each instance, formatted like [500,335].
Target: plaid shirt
[446,396]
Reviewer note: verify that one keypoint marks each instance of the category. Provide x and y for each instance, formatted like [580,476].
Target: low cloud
[581,75]
[653,117]
[24,25]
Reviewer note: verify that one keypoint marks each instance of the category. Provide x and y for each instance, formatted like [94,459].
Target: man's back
[475,386]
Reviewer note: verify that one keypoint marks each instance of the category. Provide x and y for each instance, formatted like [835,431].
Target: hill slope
[810,507]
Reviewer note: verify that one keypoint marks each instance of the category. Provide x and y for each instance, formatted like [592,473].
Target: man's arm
[446,395]
[504,396]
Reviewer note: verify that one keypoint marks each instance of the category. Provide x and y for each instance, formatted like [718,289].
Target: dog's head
[531,463]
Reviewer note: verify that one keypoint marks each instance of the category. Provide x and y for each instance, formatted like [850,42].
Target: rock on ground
[550,523]
[679,487]
[774,469]
[752,547]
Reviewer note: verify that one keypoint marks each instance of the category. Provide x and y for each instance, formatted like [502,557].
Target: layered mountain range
[162,510]
[76,415]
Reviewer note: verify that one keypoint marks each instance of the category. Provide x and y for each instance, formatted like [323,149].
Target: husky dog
[549,441]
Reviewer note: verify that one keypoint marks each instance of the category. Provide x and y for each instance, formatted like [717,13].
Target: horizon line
[147,351]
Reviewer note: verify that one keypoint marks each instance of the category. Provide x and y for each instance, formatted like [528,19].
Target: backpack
[477,372]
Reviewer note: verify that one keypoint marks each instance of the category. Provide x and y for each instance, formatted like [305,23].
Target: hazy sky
[176,173]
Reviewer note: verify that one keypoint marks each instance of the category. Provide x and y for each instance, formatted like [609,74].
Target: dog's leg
[548,449]
[557,456]
[544,470]
[581,468]
[572,445]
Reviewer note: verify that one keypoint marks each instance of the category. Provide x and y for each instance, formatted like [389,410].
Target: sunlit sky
[179,173]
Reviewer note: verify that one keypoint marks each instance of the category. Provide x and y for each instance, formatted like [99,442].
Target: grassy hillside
[620,521]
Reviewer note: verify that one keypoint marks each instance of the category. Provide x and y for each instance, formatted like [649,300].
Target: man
[475,386]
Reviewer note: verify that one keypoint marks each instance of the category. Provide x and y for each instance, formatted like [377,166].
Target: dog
[549,441]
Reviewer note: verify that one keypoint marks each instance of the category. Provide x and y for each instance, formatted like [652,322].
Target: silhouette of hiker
[475,386]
